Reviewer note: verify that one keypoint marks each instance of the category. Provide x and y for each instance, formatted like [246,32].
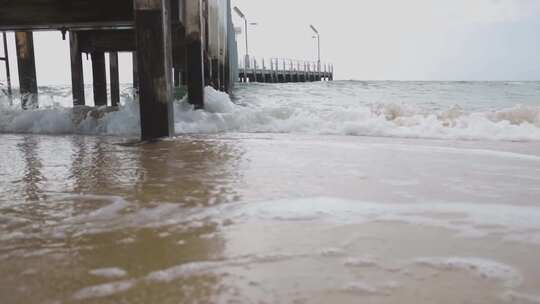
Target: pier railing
[252,69]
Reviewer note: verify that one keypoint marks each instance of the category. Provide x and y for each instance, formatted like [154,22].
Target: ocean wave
[518,123]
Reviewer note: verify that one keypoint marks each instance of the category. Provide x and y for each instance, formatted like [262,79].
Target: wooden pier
[281,70]
[174,43]
[190,43]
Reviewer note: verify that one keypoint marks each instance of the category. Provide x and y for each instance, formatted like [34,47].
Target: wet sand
[267,218]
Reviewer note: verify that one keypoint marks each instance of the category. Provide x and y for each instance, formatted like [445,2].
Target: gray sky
[372,39]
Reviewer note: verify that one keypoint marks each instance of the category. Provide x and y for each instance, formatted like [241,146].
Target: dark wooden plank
[44,14]
[71,14]
[8,68]
[115,79]
[77,75]
[99,75]
[107,41]
[124,41]
[27,69]
[154,61]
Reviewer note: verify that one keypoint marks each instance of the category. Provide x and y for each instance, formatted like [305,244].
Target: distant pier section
[279,70]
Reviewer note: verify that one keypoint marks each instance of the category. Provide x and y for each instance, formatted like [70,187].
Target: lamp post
[318,47]
[239,12]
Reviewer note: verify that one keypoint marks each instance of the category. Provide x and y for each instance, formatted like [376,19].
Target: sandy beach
[269,218]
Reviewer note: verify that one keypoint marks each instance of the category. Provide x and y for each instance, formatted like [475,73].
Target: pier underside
[190,43]
[173,42]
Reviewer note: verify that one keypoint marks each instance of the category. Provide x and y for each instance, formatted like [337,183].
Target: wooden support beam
[154,61]
[8,68]
[221,72]
[115,79]
[55,14]
[99,75]
[27,69]
[227,75]
[214,74]
[195,52]
[106,41]
[135,71]
[177,75]
[183,78]
[77,75]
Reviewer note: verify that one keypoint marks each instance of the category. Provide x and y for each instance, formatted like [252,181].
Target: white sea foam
[104,290]
[369,289]
[507,222]
[483,268]
[469,220]
[362,288]
[324,112]
[511,296]
[360,262]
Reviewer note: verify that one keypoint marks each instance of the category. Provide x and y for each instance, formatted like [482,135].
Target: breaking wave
[255,110]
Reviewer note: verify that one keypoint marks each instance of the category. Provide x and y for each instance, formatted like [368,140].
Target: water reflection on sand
[267,219]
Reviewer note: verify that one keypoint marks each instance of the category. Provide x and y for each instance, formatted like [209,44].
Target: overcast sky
[372,39]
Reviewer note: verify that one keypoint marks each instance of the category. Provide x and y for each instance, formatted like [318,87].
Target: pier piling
[77,78]
[135,71]
[7,66]
[27,69]
[195,52]
[115,79]
[99,75]
[154,66]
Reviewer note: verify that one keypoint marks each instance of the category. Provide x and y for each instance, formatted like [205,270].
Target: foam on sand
[112,272]
[486,269]
[104,290]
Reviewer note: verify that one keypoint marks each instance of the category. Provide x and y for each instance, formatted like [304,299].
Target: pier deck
[285,70]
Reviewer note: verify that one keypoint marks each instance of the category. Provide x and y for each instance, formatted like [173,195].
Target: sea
[323,192]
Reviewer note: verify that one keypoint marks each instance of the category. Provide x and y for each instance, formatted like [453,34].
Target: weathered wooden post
[135,71]
[255,70]
[77,75]
[298,78]
[177,77]
[195,53]
[99,75]
[229,53]
[271,70]
[264,79]
[8,68]
[27,69]
[222,37]
[284,71]
[276,70]
[115,79]
[154,62]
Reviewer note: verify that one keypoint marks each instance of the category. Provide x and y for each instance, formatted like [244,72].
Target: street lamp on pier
[318,47]
[243,16]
